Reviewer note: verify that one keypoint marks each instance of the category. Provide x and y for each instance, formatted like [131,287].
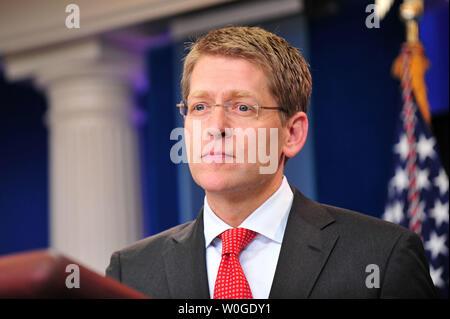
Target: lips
[214,153]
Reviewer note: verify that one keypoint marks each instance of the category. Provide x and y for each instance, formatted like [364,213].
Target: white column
[95,190]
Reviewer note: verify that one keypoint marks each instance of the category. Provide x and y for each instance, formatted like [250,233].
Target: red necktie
[231,282]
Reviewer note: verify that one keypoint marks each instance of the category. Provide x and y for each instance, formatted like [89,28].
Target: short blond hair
[286,70]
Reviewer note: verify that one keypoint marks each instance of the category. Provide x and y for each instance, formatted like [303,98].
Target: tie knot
[235,239]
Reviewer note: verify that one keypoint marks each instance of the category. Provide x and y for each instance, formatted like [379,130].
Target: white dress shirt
[259,259]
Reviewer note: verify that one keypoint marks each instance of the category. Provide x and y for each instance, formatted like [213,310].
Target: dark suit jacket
[324,254]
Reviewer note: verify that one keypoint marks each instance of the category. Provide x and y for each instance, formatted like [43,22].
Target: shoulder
[396,245]
[142,266]
[157,243]
[397,252]
[371,234]
[357,232]
[126,264]
[362,224]
[344,221]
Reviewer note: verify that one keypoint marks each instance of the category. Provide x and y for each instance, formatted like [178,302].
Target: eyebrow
[232,94]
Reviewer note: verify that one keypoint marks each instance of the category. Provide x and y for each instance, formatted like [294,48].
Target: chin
[214,181]
[225,179]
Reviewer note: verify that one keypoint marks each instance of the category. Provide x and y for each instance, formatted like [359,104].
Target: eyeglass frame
[182,105]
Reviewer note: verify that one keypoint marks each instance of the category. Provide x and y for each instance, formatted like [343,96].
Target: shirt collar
[269,219]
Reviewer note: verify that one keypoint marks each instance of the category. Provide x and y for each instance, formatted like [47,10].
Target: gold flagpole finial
[411,11]
[417,63]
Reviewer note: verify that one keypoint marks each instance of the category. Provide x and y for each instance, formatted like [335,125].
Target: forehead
[230,76]
[231,93]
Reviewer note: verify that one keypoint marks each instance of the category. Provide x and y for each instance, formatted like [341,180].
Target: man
[257,236]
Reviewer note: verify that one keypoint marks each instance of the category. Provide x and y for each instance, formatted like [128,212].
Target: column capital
[91,57]
[33,24]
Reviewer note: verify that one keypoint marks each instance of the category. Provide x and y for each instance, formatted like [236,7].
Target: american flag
[418,192]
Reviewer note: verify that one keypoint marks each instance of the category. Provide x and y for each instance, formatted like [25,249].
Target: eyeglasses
[237,110]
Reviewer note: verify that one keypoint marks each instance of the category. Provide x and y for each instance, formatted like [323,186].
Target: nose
[217,122]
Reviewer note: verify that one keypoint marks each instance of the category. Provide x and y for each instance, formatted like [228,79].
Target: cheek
[188,142]
[192,137]
[255,144]
[281,139]
[273,138]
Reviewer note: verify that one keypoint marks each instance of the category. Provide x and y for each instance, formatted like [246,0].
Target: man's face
[219,80]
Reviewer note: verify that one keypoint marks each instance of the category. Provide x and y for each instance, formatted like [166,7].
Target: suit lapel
[306,246]
[185,262]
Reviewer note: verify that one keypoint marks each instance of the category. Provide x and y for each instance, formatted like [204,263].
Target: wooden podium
[47,274]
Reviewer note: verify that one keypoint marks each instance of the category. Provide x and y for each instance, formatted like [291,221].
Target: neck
[234,207]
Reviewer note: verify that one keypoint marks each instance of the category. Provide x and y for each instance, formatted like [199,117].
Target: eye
[199,107]
[244,108]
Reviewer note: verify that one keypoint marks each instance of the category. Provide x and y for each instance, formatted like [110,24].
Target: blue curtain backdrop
[356,103]
[160,174]
[347,158]
[23,169]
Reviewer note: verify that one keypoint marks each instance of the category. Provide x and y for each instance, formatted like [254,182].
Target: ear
[297,131]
